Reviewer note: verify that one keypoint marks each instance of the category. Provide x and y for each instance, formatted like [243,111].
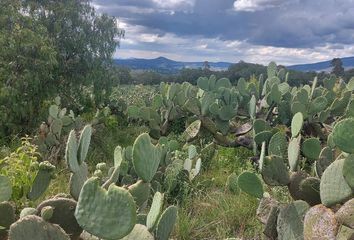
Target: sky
[258,31]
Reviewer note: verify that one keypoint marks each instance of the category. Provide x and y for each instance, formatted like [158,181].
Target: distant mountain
[165,65]
[348,63]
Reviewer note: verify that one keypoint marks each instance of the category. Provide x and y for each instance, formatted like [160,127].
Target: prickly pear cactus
[345,214]
[140,192]
[28,211]
[277,144]
[84,143]
[7,213]
[139,232]
[231,183]
[296,124]
[311,148]
[166,223]
[294,152]
[320,223]
[343,135]
[106,214]
[146,157]
[250,184]
[33,227]
[348,170]
[77,180]
[5,188]
[71,152]
[47,213]
[155,210]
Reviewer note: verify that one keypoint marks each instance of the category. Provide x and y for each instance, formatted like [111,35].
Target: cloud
[292,31]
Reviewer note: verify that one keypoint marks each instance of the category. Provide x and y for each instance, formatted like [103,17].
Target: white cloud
[174,4]
[256,5]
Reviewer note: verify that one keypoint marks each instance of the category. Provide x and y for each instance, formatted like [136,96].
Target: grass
[213,213]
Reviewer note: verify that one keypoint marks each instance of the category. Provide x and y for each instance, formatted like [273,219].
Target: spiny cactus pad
[278,144]
[345,215]
[348,170]
[296,124]
[166,223]
[7,217]
[274,171]
[325,159]
[63,215]
[146,157]
[140,192]
[333,188]
[250,184]
[28,211]
[71,152]
[34,227]
[106,214]
[294,186]
[41,181]
[294,152]
[270,229]
[343,135]
[84,143]
[310,190]
[139,232]
[5,188]
[290,221]
[320,223]
[77,180]
[155,210]
[311,148]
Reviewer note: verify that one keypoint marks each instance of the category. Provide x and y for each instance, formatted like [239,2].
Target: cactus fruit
[311,148]
[166,223]
[146,157]
[333,188]
[277,144]
[106,214]
[47,213]
[274,171]
[155,210]
[294,152]
[325,159]
[63,215]
[7,213]
[140,192]
[320,223]
[231,183]
[345,214]
[34,227]
[139,232]
[343,137]
[5,188]
[348,170]
[250,184]
[290,221]
[42,180]
[84,143]
[296,124]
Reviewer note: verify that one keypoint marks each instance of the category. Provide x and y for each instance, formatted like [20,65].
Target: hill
[348,63]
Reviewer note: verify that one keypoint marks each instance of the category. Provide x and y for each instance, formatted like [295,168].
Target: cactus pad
[166,223]
[63,215]
[311,148]
[41,181]
[250,184]
[77,180]
[5,188]
[294,152]
[333,188]
[34,227]
[343,136]
[28,211]
[7,213]
[106,214]
[71,152]
[139,232]
[324,160]
[290,221]
[348,170]
[277,144]
[264,208]
[270,229]
[146,157]
[309,190]
[294,186]
[296,124]
[140,192]
[47,212]
[84,143]
[320,223]
[155,210]
[274,171]
[231,183]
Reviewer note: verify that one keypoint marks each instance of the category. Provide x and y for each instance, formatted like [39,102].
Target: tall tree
[337,65]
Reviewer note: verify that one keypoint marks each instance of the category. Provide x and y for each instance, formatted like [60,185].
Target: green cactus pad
[34,227]
[7,213]
[348,170]
[264,208]
[294,186]
[106,214]
[77,180]
[311,148]
[71,152]
[290,221]
[296,124]
[320,223]
[277,144]
[155,210]
[318,104]
[140,192]
[298,107]
[5,188]
[250,184]
[231,183]
[260,125]
[274,171]
[146,157]
[47,212]
[166,223]
[28,211]
[63,215]
[343,135]
[193,129]
[345,215]
[333,188]
[263,136]
[270,228]
[139,232]
[325,159]
[294,152]
[53,111]
[84,143]
[40,183]
[310,190]
[252,107]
